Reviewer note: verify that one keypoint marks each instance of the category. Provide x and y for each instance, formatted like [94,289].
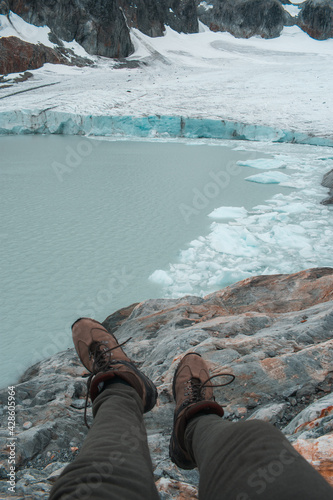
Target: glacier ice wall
[55,122]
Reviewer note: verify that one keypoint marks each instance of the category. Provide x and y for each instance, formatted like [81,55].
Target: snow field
[283,85]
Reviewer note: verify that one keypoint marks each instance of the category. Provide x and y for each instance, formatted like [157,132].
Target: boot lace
[196,389]
[102,363]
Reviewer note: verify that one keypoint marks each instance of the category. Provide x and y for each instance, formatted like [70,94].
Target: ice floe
[289,232]
[268,178]
[227,213]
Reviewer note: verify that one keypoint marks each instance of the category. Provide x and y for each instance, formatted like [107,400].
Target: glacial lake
[85,222]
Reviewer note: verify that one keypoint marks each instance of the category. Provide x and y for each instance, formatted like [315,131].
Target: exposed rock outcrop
[182,16]
[275,333]
[99,26]
[150,16]
[146,15]
[328,182]
[316,18]
[245,18]
[102,27]
[4,7]
[17,55]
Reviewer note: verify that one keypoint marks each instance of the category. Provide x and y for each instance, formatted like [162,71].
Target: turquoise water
[84,223]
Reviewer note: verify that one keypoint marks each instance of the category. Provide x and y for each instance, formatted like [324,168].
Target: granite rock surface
[245,18]
[275,333]
[98,26]
[103,27]
[328,183]
[17,55]
[316,18]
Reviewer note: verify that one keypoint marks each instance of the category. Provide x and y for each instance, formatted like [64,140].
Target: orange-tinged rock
[274,368]
[278,293]
[177,489]
[17,55]
[319,453]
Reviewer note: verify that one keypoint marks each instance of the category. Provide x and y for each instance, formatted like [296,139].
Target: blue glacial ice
[227,213]
[274,177]
[54,122]
[262,163]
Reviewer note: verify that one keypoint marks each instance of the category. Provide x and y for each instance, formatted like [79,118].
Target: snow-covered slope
[14,25]
[284,83]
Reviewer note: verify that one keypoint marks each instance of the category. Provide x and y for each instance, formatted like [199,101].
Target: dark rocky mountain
[316,18]
[151,16]
[245,18]
[102,26]
[273,332]
[17,55]
[328,182]
[4,7]
[99,26]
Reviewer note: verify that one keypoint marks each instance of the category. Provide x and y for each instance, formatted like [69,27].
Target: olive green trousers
[249,460]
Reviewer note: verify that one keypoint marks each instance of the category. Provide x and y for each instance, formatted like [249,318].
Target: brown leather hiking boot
[102,355]
[193,392]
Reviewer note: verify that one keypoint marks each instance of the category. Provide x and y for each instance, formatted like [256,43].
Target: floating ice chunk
[196,243]
[210,266]
[294,208]
[234,240]
[262,219]
[268,178]
[161,277]
[190,254]
[228,213]
[195,277]
[262,163]
[228,276]
[262,207]
[309,224]
[290,236]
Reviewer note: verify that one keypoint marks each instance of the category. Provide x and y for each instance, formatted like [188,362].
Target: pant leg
[114,462]
[250,460]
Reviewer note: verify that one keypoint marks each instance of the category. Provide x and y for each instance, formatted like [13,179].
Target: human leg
[114,462]
[249,460]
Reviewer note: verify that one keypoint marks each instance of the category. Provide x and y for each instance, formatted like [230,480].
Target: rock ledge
[275,333]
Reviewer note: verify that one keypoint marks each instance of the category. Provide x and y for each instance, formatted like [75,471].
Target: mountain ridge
[103,28]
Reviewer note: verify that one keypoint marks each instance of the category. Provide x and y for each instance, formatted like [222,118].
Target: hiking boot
[193,392]
[102,355]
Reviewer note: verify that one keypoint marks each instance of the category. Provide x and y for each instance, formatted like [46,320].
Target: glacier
[54,122]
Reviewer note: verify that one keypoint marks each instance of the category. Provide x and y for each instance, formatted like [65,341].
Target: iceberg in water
[161,278]
[233,240]
[269,178]
[262,163]
[228,213]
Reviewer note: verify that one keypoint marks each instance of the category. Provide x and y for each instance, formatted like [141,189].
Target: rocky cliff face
[245,18]
[328,183]
[316,18]
[102,27]
[17,55]
[99,26]
[151,16]
[4,7]
[275,333]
